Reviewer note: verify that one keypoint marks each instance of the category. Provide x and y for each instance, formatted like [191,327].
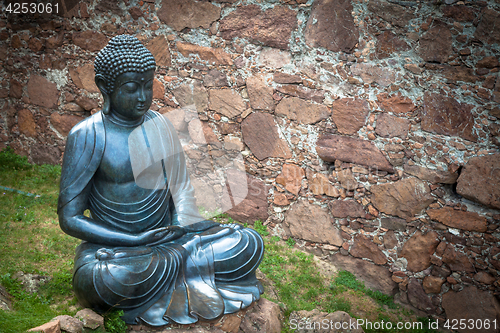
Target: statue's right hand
[152,236]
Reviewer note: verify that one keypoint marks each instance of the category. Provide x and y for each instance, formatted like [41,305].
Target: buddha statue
[145,249]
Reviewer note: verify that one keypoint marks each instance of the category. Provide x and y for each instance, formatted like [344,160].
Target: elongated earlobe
[101,84]
[105,106]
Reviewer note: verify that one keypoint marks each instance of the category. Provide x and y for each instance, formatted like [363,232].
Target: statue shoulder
[86,124]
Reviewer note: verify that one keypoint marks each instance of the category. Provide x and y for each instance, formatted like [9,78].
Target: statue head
[124,54]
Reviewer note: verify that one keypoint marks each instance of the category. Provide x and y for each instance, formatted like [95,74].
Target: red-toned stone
[435,44]
[459,219]
[311,223]
[364,248]
[346,208]
[158,89]
[272,27]
[403,198]
[349,114]
[352,150]
[457,261]
[430,175]
[26,123]
[445,115]
[259,93]
[260,134]
[215,78]
[418,250]
[432,284]
[158,46]
[90,40]
[265,315]
[459,13]
[319,184]
[213,55]
[192,95]
[42,92]
[83,77]
[389,126]
[305,112]
[135,12]
[35,44]
[347,180]
[291,178]
[480,180]
[418,298]
[370,73]
[226,101]
[280,199]
[64,123]
[302,92]
[337,35]
[254,206]
[51,327]
[16,89]
[45,154]
[180,14]
[201,133]
[471,304]
[86,103]
[395,103]
[488,62]
[484,277]
[488,30]
[391,12]
[286,78]
[388,44]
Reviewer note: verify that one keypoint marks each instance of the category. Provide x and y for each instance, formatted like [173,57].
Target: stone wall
[369,128]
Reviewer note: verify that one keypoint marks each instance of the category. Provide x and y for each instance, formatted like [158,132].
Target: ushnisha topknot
[124,53]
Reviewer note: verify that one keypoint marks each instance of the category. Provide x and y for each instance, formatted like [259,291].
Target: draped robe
[208,271]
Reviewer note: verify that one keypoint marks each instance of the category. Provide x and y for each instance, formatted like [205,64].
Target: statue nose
[142,95]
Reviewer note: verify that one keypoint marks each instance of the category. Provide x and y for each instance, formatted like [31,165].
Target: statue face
[133,94]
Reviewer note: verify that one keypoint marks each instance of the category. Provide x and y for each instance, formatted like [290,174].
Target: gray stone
[90,319]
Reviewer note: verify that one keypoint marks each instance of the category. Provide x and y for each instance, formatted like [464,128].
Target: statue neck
[124,122]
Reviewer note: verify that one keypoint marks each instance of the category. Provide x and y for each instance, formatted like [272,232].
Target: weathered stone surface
[349,114]
[364,248]
[347,180]
[358,151]
[375,277]
[431,175]
[274,58]
[395,103]
[26,123]
[83,77]
[370,73]
[392,13]
[488,62]
[337,35]
[64,123]
[201,133]
[265,316]
[418,250]
[272,27]
[254,206]
[291,178]
[180,14]
[432,284]
[260,134]
[226,101]
[312,222]
[459,13]
[5,299]
[435,44]
[471,304]
[69,324]
[454,74]
[390,240]
[90,319]
[480,180]
[495,112]
[45,154]
[176,117]
[393,223]
[215,56]
[280,199]
[215,78]
[158,89]
[286,78]
[403,198]
[302,92]
[90,40]
[418,298]
[31,282]
[389,126]
[259,93]
[445,115]
[484,277]
[191,95]
[315,317]
[42,92]
[305,112]
[488,30]
[16,89]
[388,44]
[233,143]
[346,208]
[51,327]
[459,219]
[158,46]
[457,261]
[86,103]
[319,184]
